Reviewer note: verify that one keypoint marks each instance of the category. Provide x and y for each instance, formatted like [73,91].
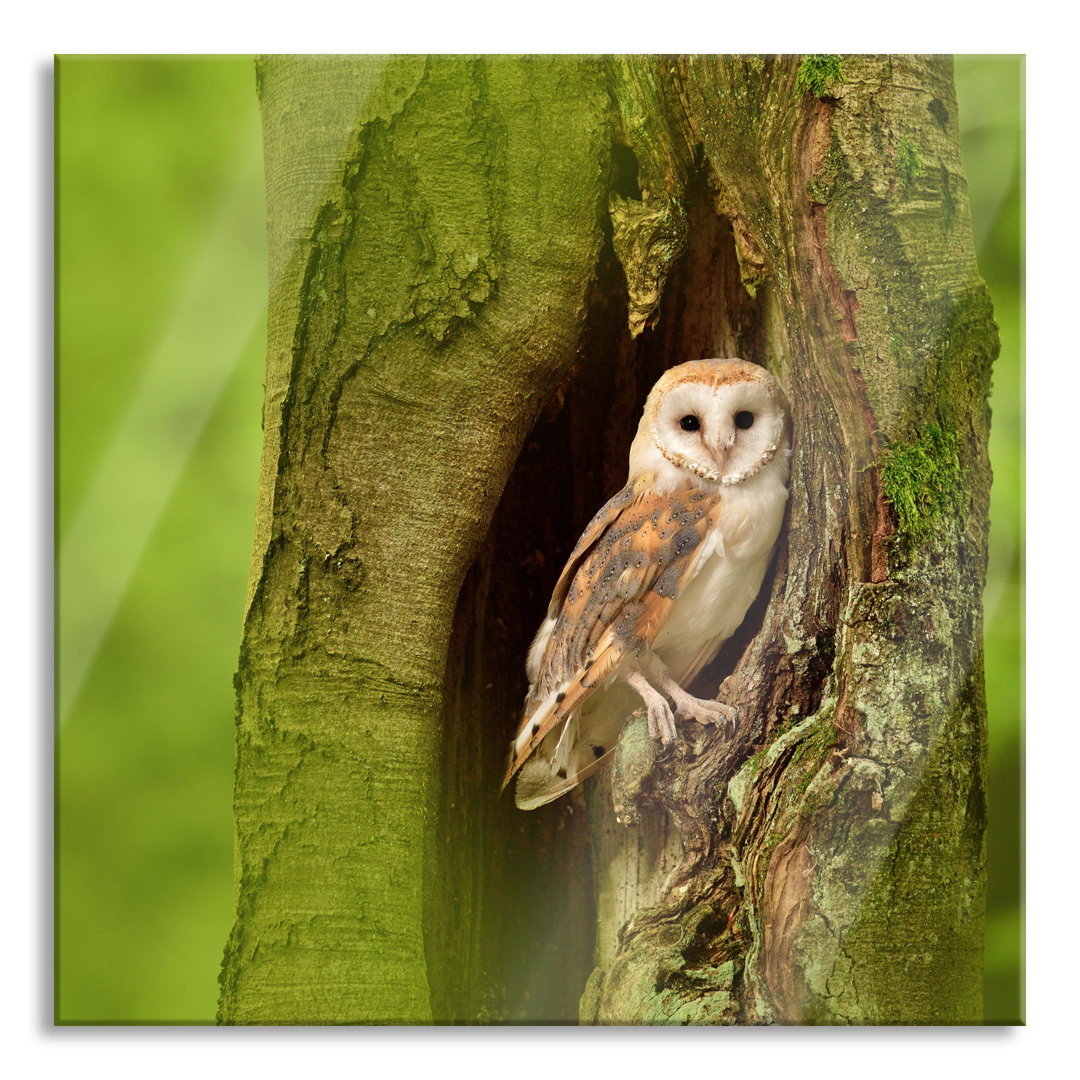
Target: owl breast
[732,564]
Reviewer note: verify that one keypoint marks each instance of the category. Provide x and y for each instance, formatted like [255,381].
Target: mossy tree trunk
[478,268]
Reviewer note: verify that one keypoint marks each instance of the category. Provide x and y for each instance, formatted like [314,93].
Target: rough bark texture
[838,875]
[479,268]
[398,395]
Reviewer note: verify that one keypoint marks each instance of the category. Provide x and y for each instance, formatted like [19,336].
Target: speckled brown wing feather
[613,597]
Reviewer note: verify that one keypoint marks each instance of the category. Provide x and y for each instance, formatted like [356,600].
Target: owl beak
[719,451]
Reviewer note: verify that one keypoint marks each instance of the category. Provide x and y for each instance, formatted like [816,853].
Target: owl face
[718,421]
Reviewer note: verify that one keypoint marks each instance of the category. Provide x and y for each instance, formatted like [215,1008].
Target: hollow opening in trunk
[523,884]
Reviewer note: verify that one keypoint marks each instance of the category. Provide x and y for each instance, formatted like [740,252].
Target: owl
[661,577]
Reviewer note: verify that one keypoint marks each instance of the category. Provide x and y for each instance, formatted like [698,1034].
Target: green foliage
[990,112]
[816,70]
[155,160]
[921,481]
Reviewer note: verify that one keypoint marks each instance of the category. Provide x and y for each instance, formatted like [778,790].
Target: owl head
[719,421]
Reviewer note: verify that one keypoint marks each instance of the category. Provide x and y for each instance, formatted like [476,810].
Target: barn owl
[661,577]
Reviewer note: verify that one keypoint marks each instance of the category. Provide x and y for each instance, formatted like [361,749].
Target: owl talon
[661,719]
[709,712]
[662,723]
[703,710]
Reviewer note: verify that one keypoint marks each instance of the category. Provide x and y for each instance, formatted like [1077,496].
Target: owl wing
[611,600]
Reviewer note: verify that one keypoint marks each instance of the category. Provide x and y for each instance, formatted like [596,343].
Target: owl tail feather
[586,742]
[548,715]
[537,784]
[563,749]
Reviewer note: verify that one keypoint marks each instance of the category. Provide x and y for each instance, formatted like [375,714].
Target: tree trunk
[478,269]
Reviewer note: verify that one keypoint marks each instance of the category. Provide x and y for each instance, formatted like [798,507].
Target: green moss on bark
[921,480]
[820,186]
[914,954]
[909,165]
[815,72]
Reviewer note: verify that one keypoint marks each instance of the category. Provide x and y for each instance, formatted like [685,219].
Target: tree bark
[478,269]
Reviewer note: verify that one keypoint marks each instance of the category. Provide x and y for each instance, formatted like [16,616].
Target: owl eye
[744,419]
[690,423]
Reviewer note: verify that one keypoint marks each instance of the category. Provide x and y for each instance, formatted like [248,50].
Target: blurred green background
[160,315]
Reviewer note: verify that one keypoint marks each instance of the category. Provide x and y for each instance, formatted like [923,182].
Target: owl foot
[661,719]
[703,710]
